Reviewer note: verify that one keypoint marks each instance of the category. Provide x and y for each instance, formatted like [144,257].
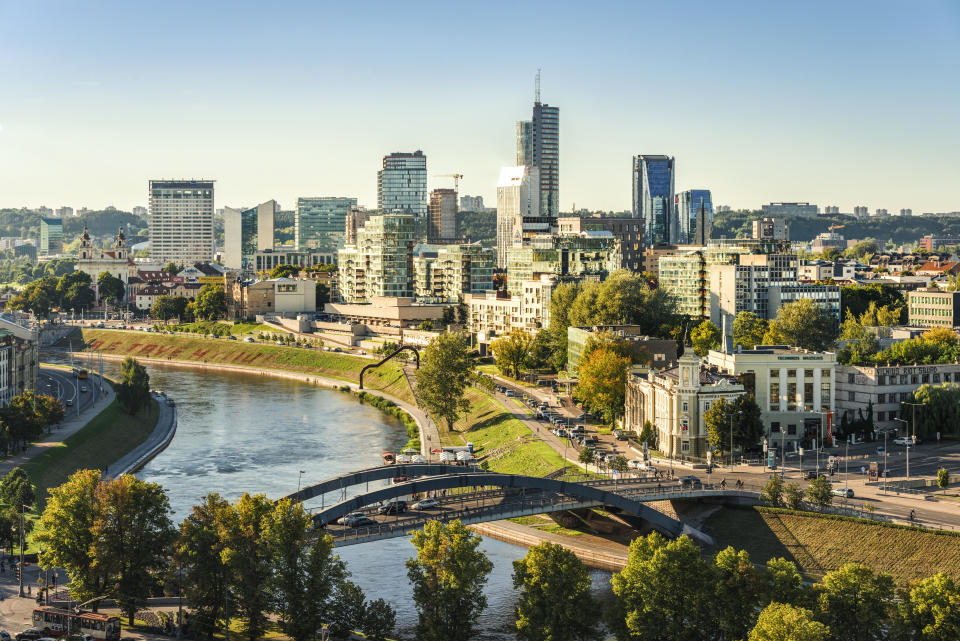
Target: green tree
[511,350]
[74,292]
[284,271]
[855,602]
[443,377]
[619,464]
[648,435]
[15,489]
[586,456]
[801,324]
[540,354]
[704,337]
[40,297]
[665,592]
[785,622]
[163,308]
[110,287]
[602,381]
[448,575]
[943,478]
[379,620]
[171,268]
[323,295]
[772,492]
[562,298]
[132,533]
[748,329]
[742,415]
[348,610]
[793,496]
[555,602]
[820,492]
[930,610]
[211,303]
[783,582]
[133,391]
[247,561]
[737,592]
[856,299]
[199,548]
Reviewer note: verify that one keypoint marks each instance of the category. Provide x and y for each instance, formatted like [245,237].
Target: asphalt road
[65,387]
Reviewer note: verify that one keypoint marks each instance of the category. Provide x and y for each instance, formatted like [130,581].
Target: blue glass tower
[653,198]
[688,203]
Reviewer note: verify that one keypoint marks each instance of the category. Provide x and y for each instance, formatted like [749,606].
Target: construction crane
[835,227]
[456,180]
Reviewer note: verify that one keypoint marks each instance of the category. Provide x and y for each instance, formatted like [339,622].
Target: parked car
[397,506]
[902,440]
[881,451]
[30,634]
[363,521]
[4,635]
[350,518]
[812,475]
[425,504]
[619,435]
[845,492]
[249,339]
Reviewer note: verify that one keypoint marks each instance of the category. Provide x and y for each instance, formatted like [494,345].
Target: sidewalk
[158,440]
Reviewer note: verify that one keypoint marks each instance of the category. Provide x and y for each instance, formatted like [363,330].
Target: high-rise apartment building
[629,231]
[245,232]
[770,229]
[357,217]
[861,211]
[444,274]
[181,221]
[320,223]
[471,203]
[51,236]
[63,212]
[381,262]
[442,216]
[831,210]
[518,206]
[569,257]
[906,212]
[538,145]
[653,198]
[402,187]
[689,203]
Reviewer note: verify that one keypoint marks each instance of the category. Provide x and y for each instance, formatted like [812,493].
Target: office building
[770,229]
[794,388]
[653,352]
[538,145]
[357,217]
[402,188]
[445,273]
[525,143]
[629,231]
[674,402]
[442,216]
[689,205]
[684,273]
[653,198]
[246,232]
[181,221]
[381,262]
[265,260]
[588,255]
[789,209]
[51,236]
[320,223]
[831,210]
[471,203]
[933,308]
[495,313]
[518,206]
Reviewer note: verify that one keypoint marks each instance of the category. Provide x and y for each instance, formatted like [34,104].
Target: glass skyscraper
[320,223]
[402,187]
[688,203]
[247,231]
[653,198]
[538,145]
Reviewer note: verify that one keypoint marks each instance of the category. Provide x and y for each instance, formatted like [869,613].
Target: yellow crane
[456,180]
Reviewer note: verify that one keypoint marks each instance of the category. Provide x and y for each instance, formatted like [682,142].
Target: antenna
[538,85]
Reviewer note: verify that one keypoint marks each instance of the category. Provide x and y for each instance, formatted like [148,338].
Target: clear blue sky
[850,102]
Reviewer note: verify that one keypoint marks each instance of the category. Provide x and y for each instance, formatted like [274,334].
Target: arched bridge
[475,496]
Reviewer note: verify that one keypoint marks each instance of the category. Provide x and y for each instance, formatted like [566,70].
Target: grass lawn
[819,545]
[388,378]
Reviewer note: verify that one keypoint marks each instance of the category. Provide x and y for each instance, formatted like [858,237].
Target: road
[63,386]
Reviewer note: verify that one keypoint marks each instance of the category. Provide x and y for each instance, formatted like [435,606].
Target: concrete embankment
[158,441]
[613,558]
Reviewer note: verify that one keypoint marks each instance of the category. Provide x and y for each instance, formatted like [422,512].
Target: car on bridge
[690,482]
[350,518]
[425,504]
[397,506]
[363,521]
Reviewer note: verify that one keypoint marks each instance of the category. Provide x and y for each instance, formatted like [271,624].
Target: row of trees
[72,290]
[26,418]
[209,305]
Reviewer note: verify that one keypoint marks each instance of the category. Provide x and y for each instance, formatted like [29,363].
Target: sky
[836,103]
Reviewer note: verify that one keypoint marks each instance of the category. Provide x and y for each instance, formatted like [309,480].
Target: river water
[247,433]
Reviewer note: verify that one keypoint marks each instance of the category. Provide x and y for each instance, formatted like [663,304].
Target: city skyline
[820,103]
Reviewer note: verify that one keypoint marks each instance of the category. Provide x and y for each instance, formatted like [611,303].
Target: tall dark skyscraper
[688,204]
[653,198]
[538,145]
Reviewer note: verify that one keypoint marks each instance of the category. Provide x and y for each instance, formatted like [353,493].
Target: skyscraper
[181,221]
[381,262]
[320,223]
[442,223]
[402,187]
[246,232]
[51,236]
[538,145]
[518,204]
[688,204]
[653,198]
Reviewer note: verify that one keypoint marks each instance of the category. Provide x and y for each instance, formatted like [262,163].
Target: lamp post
[299,477]
[912,425]
[20,565]
[908,447]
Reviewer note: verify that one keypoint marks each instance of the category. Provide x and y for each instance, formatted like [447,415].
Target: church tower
[86,245]
[120,245]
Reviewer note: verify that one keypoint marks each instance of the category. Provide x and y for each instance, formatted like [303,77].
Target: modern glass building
[595,254]
[381,263]
[517,207]
[442,223]
[320,223]
[538,145]
[247,231]
[51,236]
[402,187]
[688,204]
[181,221]
[653,198]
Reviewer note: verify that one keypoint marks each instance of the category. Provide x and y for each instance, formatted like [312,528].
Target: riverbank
[163,432]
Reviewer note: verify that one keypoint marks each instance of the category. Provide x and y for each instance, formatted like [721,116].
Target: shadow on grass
[746,529]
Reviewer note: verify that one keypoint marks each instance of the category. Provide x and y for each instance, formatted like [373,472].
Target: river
[248,433]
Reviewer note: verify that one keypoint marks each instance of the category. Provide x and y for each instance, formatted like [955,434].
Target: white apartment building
[181,221]
[493,314]
[518,204]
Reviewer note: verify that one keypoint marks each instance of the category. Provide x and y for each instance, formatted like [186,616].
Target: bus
[55,622]
[81,372]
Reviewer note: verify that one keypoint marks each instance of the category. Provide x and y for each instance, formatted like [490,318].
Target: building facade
[444,276]
[495,313]
[247,300]
[402,187]
[654,352]
[629,231]
[789,209]
[381,263]
[518,206]
[246,232]
[933,308]
[653,198]
[442,216]
[266,260]
[51,236]
[589,254]
[770,229]
[538,145]
[357,217]
[24,366]
[321,222]
[684,272]
[689,205]
[94,261]
[181,221]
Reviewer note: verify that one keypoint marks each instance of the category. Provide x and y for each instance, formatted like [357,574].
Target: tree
[562,298]
[132,532]
[540,353]
[648,435]
[737,592]
[110,287]
[247,560]
[820,492]
[784,622]
[772,492]
[40,296]
[855,602]
[74,292]
[163,308]
[443,377]
[748,329]
[211,303]
[379,621]
[793,496]
[323,295]
[801,324]
[284,271]
[348,610]
[448,575]
[704,337]
[555,602]
[603,380]
[171,268]
[742,415]
[200,549]
[783,582]
[511,350]
[665,592]
[943,478]
[619,464]
[15,489]
[133,391]
[930,610]
[586,456]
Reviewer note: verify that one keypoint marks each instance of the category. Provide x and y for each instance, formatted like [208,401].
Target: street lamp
[298,480]
[908,447]
[913,422]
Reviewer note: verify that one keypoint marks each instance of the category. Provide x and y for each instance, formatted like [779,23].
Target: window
[774,373]
[775,396]
[946,377]
[936,378]
[685,446]
[881,398]
[686,406]
[791,430]
[774,427]
[882,416]
[913,379]
[925,378]
[851,378]
[808,373]
[808,396]
[851,396]
[881,379]
[791,373]
[792,397]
